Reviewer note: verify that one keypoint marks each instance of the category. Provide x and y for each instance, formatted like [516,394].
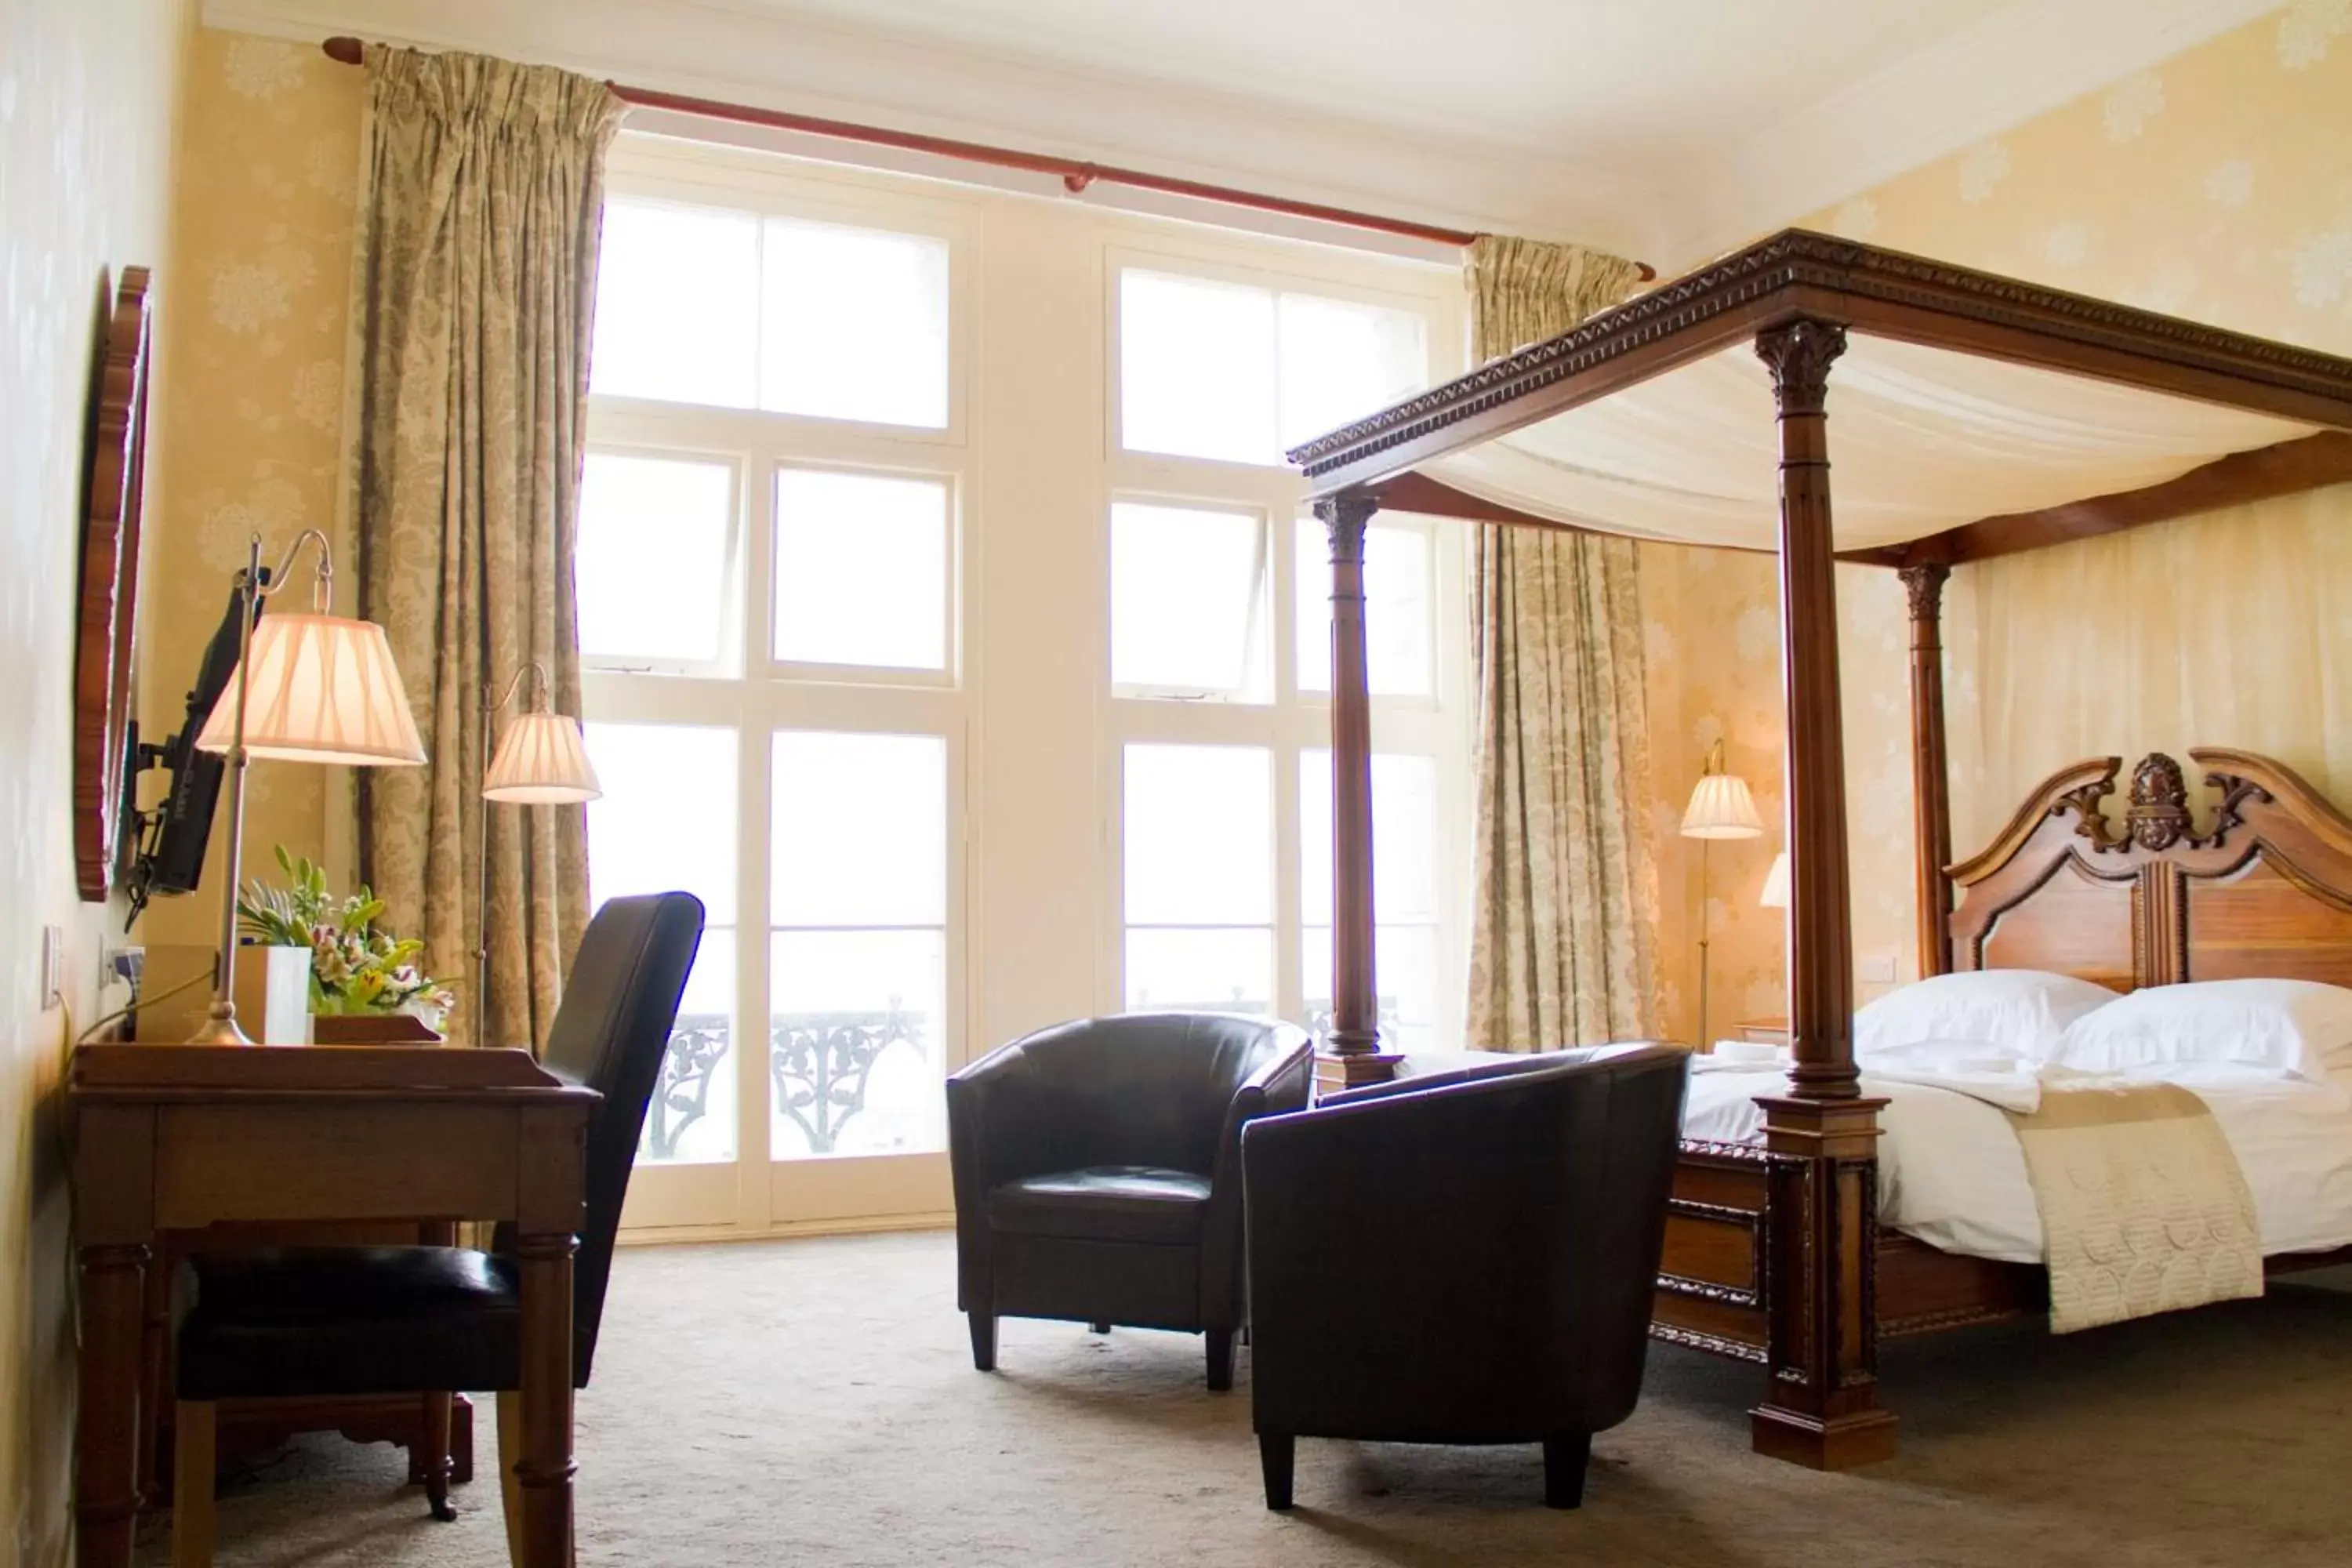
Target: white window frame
[1292,721]
[752,693]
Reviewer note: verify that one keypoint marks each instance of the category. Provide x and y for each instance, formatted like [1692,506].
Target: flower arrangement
[355,969]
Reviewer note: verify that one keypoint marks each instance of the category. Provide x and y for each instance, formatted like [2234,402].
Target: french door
[770,596]
[803,1084]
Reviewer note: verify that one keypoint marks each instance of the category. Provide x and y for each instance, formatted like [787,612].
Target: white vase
[286,996]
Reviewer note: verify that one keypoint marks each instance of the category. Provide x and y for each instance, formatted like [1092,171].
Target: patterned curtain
[1562,947]
[474,293]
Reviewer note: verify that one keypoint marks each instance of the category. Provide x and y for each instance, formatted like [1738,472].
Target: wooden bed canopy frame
[1774,1253]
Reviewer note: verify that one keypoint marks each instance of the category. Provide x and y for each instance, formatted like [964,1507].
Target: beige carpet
[812,1403]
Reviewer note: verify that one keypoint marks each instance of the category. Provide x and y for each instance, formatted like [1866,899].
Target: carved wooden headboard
[2266,890]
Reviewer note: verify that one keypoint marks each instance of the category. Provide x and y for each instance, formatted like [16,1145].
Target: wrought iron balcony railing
[818,1066]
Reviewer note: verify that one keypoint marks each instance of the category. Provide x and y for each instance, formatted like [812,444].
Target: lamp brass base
[220,1028]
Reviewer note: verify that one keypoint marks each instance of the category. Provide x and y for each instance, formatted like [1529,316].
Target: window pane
[857,1042]
[1188,601]
[673,286]
[853,324]
[691,1116]
[1200,835]
[860,830]
[861,570]
[1397,622]
[651,567]
[1229,971]
[668,816]
[1341,361]
[1196,368]
[1404,838]
[1404,961]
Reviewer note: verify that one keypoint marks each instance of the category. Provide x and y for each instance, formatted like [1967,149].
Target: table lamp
[1720,807]
[1774,895]
[542,760]
[319,687]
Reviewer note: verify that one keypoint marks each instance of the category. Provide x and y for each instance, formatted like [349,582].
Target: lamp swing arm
[514,683]
[323,591]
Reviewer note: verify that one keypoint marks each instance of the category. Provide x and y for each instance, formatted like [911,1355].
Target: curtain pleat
[1564,914]
[475,297]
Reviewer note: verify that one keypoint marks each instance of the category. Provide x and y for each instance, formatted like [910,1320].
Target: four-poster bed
[1976,415]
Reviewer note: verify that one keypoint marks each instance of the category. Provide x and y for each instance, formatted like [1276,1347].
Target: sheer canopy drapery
[2229,628]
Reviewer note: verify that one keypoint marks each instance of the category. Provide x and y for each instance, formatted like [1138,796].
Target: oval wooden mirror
[113,472]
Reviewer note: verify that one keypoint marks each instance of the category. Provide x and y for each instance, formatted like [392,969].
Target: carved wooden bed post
[1931,790]
[1353,1053]
[1821,1407]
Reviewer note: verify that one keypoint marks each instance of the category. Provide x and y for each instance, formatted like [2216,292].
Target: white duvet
[1951,1173]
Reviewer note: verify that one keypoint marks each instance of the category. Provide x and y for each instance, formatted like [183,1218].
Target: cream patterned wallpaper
[2218,187]
[1714,645]
[263,216]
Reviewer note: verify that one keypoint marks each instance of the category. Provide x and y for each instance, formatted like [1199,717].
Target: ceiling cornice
[2016,64]
[1674,211]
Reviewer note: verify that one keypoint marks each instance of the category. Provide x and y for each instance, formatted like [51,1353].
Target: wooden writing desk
[181,1137]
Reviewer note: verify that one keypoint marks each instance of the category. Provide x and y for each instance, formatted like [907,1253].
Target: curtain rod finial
[343,50]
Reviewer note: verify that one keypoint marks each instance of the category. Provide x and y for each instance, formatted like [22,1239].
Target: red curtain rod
[1074,176]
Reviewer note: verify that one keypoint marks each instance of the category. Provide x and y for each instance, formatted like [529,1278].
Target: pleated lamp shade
[541,762]
[1774,895]
[1721,807]
[324,690]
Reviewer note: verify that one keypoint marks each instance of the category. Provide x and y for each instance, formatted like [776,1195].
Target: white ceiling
[1611,82]
[1665,129]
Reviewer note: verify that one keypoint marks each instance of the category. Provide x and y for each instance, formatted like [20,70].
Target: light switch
[1878,969]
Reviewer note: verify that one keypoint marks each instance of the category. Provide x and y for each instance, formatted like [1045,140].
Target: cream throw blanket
[2144,1209]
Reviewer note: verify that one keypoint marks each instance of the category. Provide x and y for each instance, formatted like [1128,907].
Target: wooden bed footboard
[1714,1285]
[1712,1281]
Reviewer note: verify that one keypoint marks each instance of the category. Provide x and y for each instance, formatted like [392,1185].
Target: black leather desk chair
[337,1320]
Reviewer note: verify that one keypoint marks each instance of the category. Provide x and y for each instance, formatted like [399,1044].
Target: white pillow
[2299,1026]
[2018,1013]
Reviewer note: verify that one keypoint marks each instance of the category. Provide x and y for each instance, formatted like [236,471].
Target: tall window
[1220,662]
[953,627]
[770,619]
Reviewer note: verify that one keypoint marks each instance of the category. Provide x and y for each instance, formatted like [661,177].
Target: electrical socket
[1878,969]
[53,968]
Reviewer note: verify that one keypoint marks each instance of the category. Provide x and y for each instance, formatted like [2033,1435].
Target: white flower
[248,296]
[2069,242]
[2308,27]
[2231,184]
[2323,268]
[1757,633]
[261,68]
[1858,219]
[1982,167]
[2130,104]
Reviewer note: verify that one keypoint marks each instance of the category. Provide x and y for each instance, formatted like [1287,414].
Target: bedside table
[1765,1031]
